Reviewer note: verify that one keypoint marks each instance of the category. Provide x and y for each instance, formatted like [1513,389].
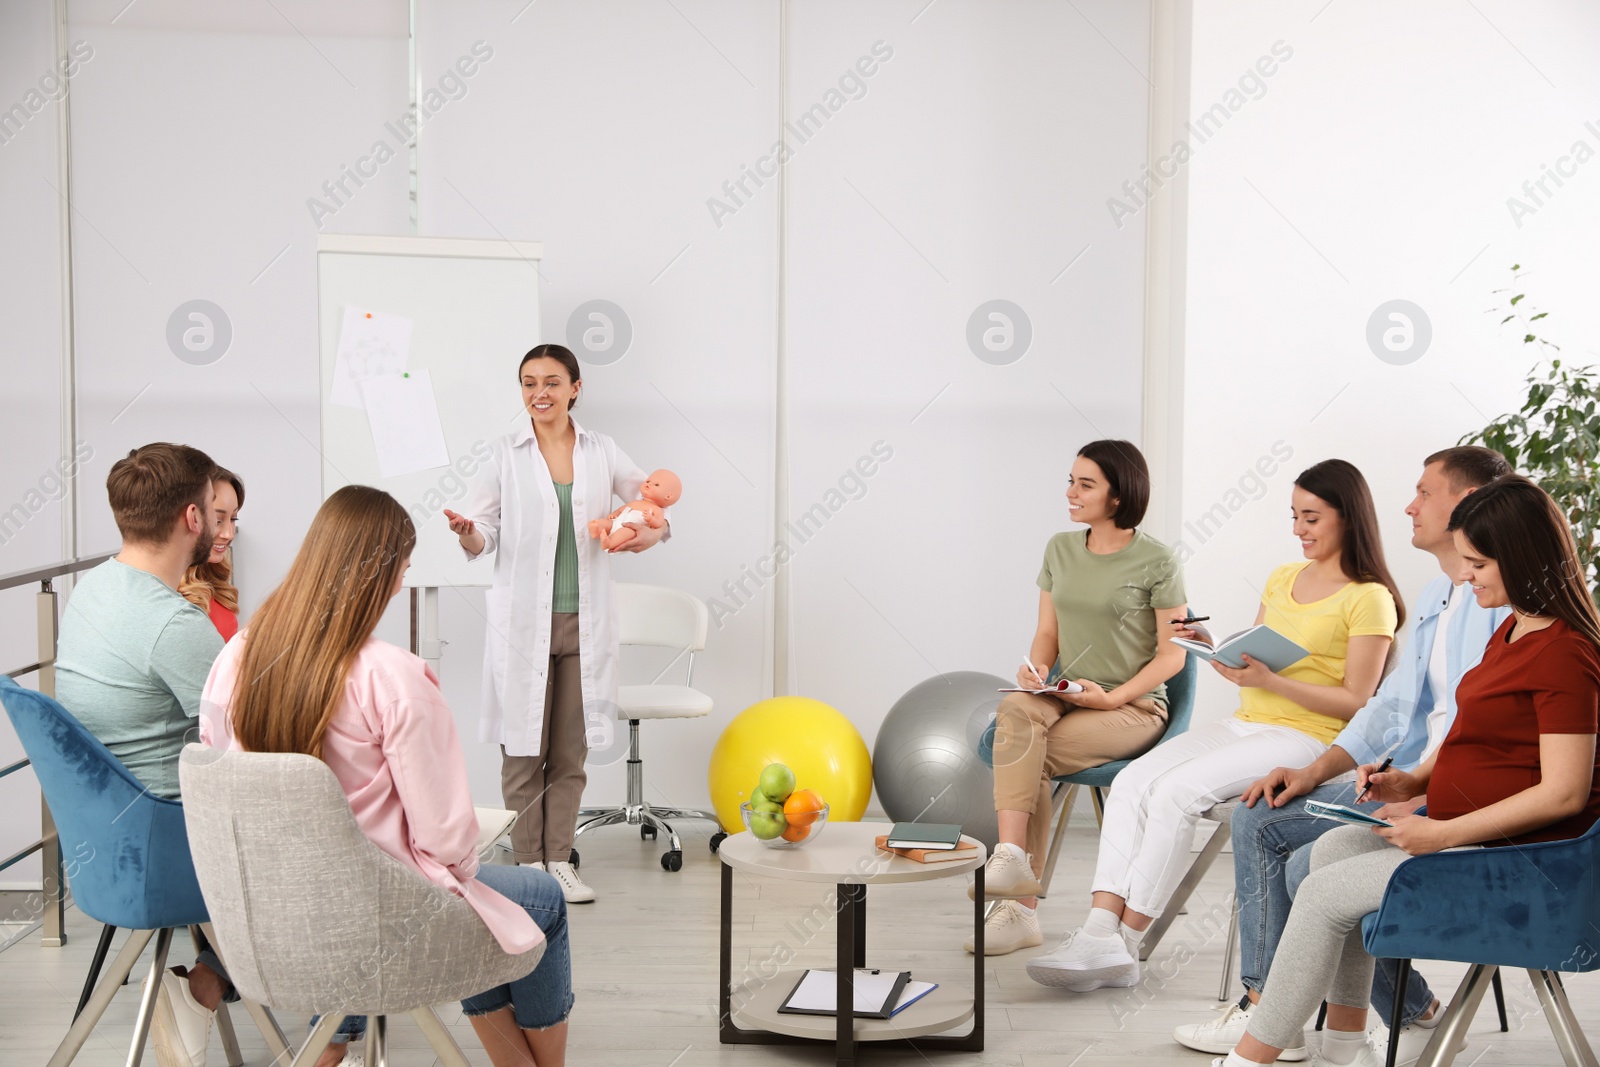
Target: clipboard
[877,995]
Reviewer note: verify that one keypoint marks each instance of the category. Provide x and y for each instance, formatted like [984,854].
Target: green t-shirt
[132,659]
[565,599]
[1105,605]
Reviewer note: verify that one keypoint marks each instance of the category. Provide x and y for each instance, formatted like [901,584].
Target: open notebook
[492,825]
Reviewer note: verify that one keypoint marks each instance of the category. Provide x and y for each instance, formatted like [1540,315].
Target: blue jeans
[1271,857]
[543,998]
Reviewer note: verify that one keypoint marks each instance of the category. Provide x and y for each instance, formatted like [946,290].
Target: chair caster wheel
[672,861]
[717,839]
[647,832]
[573,859]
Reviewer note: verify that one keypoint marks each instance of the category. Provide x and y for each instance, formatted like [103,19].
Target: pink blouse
[393,747]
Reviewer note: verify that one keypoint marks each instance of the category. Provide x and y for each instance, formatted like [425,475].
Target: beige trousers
[1037,738]
[546,790]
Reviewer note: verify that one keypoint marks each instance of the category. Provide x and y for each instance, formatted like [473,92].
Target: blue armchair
[127,852]
[1531,906]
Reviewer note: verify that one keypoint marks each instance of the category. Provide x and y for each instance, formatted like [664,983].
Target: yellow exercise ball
[822,747]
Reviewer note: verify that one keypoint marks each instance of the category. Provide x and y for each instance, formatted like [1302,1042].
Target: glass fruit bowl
[775,830]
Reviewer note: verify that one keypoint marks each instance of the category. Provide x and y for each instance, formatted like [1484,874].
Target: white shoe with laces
[1007,877]
[1085,962]
[1008,927]
[1413,1041]
[1365,1057]
[1224,1033]
[572,887]
[181,1028]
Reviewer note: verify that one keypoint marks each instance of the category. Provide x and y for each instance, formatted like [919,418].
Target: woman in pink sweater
[308,676]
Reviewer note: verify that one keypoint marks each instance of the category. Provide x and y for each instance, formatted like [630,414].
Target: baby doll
[661,490]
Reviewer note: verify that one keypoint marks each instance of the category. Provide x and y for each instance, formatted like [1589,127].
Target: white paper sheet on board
[404,418]
[371,343]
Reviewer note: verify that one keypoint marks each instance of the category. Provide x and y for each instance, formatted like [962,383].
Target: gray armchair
[313,917]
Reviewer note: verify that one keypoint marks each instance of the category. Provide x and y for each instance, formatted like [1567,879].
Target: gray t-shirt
[132,660]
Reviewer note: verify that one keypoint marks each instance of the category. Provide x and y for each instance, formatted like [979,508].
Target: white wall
[31,485]
[1376,165]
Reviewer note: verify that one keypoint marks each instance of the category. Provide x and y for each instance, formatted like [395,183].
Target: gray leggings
[1350,869]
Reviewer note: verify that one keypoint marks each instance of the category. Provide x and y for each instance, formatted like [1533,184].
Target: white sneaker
[537,865]
[1005,877]
[1009,927]
[1413,1041]
[1085,962]
[1223,1034]
[572,887]
[354,1056]
[181,1027]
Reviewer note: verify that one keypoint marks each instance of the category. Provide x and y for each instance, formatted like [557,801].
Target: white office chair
[656,616]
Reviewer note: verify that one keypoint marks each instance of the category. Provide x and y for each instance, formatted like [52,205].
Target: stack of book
[926,842]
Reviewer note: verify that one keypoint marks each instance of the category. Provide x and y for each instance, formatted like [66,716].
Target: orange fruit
[802,807]
[796,832]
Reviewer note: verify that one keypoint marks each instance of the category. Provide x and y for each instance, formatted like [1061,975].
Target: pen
[1029,664]
[1186,622]
[1387,761]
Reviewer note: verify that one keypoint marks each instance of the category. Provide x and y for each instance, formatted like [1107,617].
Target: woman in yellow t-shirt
[1341,605]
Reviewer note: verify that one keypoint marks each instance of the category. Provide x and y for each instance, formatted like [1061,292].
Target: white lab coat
[514,506]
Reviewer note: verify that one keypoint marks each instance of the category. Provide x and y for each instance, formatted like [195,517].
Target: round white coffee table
[846,856]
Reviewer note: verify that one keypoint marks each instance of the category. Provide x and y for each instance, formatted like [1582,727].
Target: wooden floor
[645,975]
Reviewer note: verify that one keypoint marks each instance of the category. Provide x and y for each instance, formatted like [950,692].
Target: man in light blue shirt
[1407,718]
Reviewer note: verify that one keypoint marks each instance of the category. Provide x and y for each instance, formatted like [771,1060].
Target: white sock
[1236,1060]
[1016,850]
[1342,1046]
[1025,909]
[1429,1024]
[1101,923]
[1131,938]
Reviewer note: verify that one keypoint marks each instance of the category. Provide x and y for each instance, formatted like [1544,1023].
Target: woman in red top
[1518,765]
[209,585]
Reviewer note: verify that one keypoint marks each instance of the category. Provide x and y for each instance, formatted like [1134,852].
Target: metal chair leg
[439,1039]
[1197,870]
[271,1033]
[318,1039]
[1500,1002]
[1322,1014]
[1575,1050]
[377,1041]
[1457,1019]
[95,964]
[1226,989]
[147,1001]
[112,981]
[1063,815]
[230,1040]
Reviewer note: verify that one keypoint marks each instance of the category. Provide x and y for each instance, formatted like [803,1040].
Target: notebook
[928,855]
[1064,685]
[1340,813]
[877,993]
[937,836]
[492,826]
[1261,643]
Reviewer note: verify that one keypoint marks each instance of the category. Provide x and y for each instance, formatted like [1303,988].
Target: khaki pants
[1038,737]
[546,790]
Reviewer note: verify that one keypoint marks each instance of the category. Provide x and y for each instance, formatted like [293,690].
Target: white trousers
[1157,800]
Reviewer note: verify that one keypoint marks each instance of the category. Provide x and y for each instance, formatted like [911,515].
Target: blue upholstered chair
[1531,906]
[127,853]
[1180,709]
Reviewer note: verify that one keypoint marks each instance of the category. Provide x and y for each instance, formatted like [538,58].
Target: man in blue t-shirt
[1407,718]
[132,659]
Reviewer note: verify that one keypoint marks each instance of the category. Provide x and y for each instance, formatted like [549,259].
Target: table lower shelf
[755,1007]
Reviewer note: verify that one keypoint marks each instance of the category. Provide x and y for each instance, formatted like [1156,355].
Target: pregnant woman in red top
[1517,766]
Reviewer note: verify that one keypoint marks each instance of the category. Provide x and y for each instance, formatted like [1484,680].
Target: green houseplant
[1554,438]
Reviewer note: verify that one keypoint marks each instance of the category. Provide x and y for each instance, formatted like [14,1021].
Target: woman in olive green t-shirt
[1107,598]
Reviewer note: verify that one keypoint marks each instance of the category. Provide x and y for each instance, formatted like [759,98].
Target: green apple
[760,803]
[777,781]
[767,827]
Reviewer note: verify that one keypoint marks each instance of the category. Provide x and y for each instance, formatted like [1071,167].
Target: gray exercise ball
[925,762]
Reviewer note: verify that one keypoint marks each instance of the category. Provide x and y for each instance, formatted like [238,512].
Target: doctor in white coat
[550,653]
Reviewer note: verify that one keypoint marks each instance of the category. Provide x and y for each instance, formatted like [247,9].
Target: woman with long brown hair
[1340,604]
[208,585]
[1518,766]
[308,676]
